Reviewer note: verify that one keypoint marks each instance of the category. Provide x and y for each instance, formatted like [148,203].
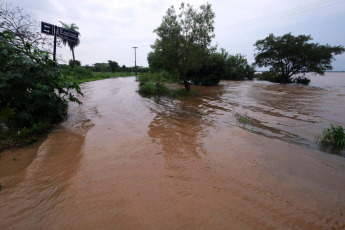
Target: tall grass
[333,136]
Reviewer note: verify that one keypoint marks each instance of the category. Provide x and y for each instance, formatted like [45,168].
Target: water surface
[129,162]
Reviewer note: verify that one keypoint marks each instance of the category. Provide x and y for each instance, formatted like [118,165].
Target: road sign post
[54,54]
[56,31]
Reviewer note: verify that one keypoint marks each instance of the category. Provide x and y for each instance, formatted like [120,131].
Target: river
[123,161]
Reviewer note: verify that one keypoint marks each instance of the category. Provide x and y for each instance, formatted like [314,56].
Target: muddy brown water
[122,161]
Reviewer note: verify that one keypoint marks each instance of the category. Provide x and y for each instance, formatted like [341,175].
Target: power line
[282,14]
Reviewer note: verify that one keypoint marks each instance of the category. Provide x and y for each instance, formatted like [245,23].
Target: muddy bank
[123,161]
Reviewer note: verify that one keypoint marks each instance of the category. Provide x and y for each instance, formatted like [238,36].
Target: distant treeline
[110,66]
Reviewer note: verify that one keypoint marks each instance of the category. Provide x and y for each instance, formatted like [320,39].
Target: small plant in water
[333,136]
[244,119]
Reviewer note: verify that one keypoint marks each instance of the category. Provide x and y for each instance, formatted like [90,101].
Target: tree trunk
[73,54]
[186,85]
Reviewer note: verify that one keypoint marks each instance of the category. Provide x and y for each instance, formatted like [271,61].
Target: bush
[237,68]
[211,72]
[267,76]
[272,77]
[79,73]
[301,80]
[153,88]
[74,63]
[333,136]
[152,84]
[32,91]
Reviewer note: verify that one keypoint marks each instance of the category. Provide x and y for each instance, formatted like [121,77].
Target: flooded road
[122,161]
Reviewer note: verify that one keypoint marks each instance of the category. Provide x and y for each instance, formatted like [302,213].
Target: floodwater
[122,161]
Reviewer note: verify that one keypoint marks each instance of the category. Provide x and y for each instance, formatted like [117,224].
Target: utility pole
[135,60]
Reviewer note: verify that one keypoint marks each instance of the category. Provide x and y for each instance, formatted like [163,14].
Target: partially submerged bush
[267,76]
[153,88]
[244,119]
[301,80]
[153,84]
[333,137]
[272,77]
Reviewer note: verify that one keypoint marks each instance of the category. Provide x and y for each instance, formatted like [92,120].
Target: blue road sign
[68,34]
[47,28]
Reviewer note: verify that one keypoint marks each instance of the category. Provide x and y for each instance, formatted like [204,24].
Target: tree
[71,44]
[184,40]
[237,68]
[289,55]
[114,66]
[23,27]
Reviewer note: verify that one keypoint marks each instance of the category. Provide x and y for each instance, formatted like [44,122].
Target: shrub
[301,80]
[32,90]
[74,63]
[153,88]
[333,136]
[152,84]
[237,68]
[79,73]
[268,76]
[211,72]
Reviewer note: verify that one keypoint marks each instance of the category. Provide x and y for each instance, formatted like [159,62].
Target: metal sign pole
[54,53]
[56,31]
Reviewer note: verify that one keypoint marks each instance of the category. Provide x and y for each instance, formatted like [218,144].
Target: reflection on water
[126,162]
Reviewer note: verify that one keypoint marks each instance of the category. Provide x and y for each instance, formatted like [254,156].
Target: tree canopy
[23,27]
[290,55]
[71,44]
[184,40]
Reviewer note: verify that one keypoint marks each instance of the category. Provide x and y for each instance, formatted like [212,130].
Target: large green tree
[71,44]
[289,55]
[184,40]
[114,66]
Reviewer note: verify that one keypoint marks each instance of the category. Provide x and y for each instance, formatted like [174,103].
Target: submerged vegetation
[244,119]
[332,137]
[269,76]
[154,84]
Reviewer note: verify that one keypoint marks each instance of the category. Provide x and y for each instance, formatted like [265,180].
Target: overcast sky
[110,28]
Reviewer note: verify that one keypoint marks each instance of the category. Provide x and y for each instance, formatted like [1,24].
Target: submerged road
[122,161]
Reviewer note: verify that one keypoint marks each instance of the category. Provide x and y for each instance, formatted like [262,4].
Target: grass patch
[244,119]
[10,138]
[332,137]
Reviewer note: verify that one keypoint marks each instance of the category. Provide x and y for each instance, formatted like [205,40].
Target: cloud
[109,28]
